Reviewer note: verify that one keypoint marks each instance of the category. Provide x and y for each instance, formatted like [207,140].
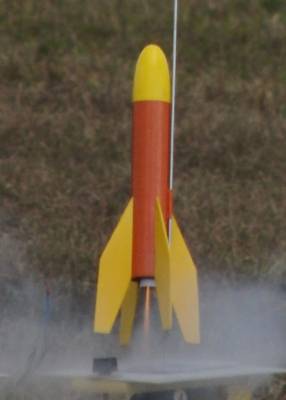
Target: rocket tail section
[175,277]
[184,286]
[163,283]
[115,269]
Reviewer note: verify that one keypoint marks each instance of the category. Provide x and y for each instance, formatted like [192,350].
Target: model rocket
[147,247]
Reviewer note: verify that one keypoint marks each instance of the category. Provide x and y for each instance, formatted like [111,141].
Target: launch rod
[172,136]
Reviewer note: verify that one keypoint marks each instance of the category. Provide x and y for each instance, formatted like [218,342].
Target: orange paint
[150,174]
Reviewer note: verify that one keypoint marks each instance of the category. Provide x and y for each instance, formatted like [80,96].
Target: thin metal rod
[171,175]
[172,136]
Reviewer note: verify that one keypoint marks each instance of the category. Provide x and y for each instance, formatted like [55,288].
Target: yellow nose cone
[152,77]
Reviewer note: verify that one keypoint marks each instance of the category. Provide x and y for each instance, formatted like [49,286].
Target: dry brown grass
[65,82]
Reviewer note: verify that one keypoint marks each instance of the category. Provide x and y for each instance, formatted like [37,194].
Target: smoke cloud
[243,329]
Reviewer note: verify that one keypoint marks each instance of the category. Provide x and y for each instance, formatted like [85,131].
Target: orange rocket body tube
[150,172]
[150,155]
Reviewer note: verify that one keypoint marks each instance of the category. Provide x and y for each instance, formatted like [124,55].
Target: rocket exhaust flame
[147,309]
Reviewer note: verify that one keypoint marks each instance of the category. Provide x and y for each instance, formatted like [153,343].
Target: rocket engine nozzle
[147,282]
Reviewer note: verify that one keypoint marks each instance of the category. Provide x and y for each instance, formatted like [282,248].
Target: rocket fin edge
[162,269]
[184,286]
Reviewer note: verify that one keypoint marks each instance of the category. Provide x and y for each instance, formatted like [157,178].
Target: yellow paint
[238,392]
[152,77]
[184,286]
[162,269]
[115,385]
[128,313]
[102,386]
[114,273]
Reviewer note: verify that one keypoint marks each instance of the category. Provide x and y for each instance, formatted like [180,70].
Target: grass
[65,84]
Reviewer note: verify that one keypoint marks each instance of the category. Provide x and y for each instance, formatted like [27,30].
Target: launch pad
[171,381]
[154,381]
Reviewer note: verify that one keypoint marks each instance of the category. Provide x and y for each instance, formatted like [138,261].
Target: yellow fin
[184,286]
[114,273]
[162,269]
[128,313]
